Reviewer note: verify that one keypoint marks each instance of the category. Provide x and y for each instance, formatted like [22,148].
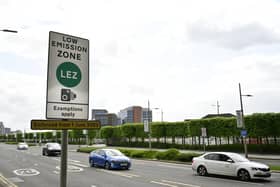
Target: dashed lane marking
[235,181]
[173,166]
[128,175]
[164,184]
[180,183]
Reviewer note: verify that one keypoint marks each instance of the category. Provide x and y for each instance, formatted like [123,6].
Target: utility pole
[149,125]
[242,114]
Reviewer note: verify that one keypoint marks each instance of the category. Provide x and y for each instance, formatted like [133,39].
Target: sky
[183,56]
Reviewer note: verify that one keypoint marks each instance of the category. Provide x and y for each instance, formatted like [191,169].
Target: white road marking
[15,180]
[74,160]
[71,168]
[56,172]
[82,165]
[251,183]
[26,172]
[180,183]
[173,166]
[164,184]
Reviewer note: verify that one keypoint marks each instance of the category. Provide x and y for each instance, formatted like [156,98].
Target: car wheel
[46,153]
[107,165]
[43,153]
[243,175]
[92,164]
[201,170]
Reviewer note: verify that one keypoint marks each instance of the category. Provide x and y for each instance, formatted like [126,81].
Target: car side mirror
[230,160]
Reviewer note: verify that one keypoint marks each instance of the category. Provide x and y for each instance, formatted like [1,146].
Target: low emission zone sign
[68,77]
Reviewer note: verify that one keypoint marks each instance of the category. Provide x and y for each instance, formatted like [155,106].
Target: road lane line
[74,160]
[82,165]
[235,181]
[56,172]
[129,175]
[164,184]
[176,167]
[180,183]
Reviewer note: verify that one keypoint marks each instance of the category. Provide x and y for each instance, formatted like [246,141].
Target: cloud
[237,37]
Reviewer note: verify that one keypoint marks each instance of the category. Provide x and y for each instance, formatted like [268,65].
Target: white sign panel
[68,77]
[146,126]
[203,132]
[239,119]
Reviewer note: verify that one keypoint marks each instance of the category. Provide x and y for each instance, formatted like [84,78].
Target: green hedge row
[170,154]
[257,125]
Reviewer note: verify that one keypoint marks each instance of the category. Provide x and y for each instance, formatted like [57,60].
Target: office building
[2,128]
[135,114]
[104,117]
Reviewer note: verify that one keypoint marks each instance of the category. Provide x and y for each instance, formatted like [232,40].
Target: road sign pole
[63,162]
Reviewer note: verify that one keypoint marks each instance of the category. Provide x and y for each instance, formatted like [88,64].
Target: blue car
[109,159]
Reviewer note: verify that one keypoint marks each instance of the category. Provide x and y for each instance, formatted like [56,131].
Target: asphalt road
[30,169]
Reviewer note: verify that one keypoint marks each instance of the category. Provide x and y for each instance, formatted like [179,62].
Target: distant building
[135,114]
[7,130]
[104,117]
[96,112]
[2,128]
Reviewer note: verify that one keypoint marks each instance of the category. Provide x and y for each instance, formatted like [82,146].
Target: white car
[230,164]
[22,146]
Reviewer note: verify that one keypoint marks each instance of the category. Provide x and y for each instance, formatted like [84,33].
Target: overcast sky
[181,55]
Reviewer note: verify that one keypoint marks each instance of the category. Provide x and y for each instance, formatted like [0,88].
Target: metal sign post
[203,134]
[63,162]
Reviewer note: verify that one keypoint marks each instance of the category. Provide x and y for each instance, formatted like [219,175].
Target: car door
[100,157]
[224,165]
[211,162]
[229,166]
[97,157]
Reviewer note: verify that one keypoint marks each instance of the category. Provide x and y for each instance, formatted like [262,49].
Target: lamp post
[148,122]
[161,113]
[218,107]
[242,114]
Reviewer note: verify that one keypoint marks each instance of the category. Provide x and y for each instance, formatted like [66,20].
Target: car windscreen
[238,158]
[113,153]
[54,146]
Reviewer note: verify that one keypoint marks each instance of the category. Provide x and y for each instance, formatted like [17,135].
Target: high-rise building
[7,130]
[2,128]
[135,114]
[104,117]
[96,112]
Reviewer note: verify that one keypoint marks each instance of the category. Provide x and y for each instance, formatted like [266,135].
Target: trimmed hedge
[170,154]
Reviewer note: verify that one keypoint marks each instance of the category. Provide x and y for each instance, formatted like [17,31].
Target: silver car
[230,164]
[22,146]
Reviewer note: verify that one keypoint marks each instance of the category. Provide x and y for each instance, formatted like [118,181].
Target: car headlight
[254,169]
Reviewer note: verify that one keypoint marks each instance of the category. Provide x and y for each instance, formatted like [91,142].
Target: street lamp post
[161,112]
[149,125]
[242,114]
[218,107]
